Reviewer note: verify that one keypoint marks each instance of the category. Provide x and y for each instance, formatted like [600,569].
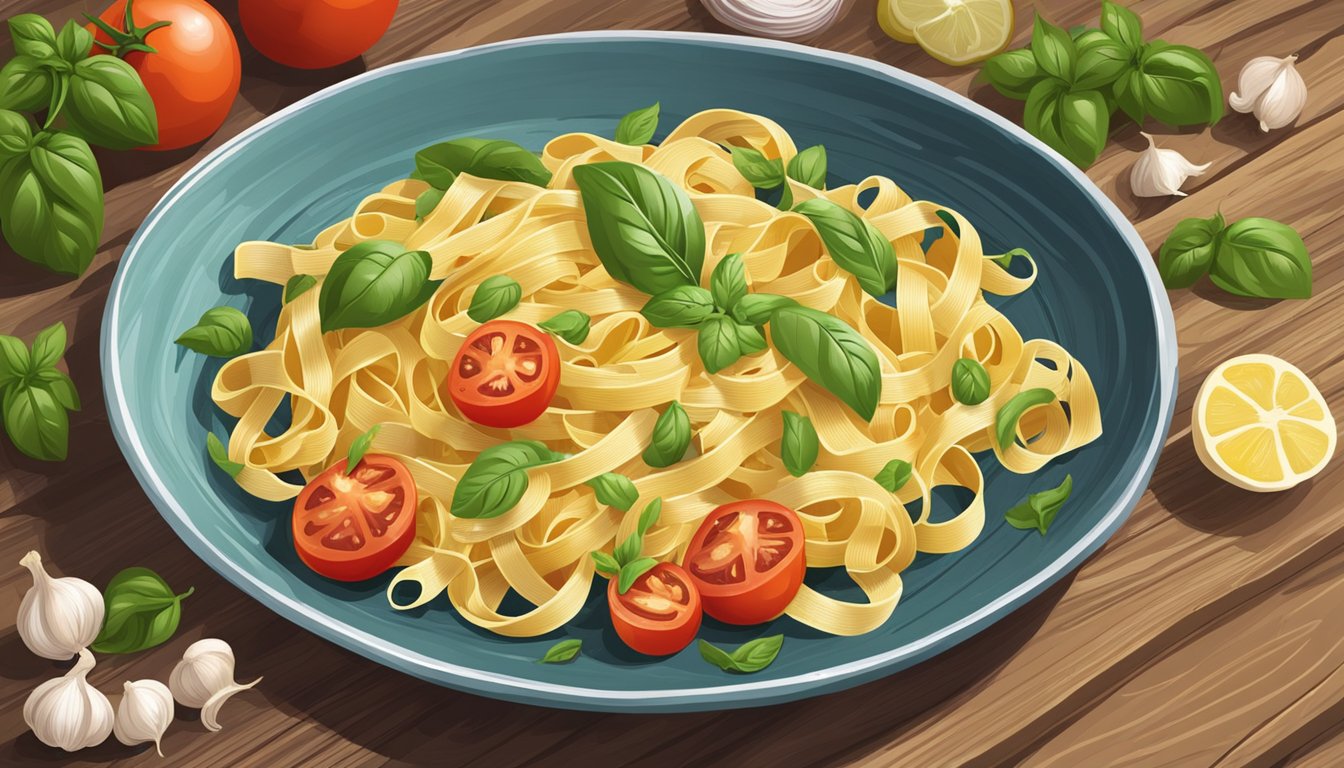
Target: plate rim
[532,691]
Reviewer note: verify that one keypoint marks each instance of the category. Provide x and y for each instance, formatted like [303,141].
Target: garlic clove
[210,712]
[1272,89]
[144,713]
[203,679]
[776,18]
[1161,172]
[68,712]
[58,616]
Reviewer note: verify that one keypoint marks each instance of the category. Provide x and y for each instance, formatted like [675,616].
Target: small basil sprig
[894,475]
[221,332]
[359,447]
[140,611]
[220,455]
[625,563]
[1039,510]
[671,437]
[494,297]
[614,490]
[51,195]
[562,652]
[637,128]
[440,164]
[854,244]
[1005,421]
[497,479]
[752,656]
[571,325]
[970,382]
[35,397]
[800,445]
[1254,257]
[374,283]
[298,285]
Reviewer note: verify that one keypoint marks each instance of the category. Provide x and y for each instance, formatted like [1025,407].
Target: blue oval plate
[308,165]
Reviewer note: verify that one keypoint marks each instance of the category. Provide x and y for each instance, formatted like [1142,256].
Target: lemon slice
[886,19]
[1261,424]
[955,32]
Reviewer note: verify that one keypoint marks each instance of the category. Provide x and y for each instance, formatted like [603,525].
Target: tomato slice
[660,613]
[505,374]
[354,527]
[747,561]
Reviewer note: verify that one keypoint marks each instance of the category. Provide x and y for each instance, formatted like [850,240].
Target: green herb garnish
[752,656]
[1039,510]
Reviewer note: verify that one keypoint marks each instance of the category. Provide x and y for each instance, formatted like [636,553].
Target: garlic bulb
[68,712]
[1160,172]
[58,617]
[1271,88]
[203,679]
[777,18]
[144,713]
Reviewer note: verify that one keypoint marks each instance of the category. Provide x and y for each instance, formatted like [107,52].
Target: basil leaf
[1005,421]
[32,36]
[494,297]
[1040,509]
[1175,84]
[1073,124]
[605,564]
[561,652]
[59,385]
[497,159]
[671,437]
[1187,253]
[108,105]
[48,346]
[637,127]
[750,340]
[642,226]
[855,245]
[894,475]
[809,167]
[359,447]
[761,171]
[1101,61]
[16,135]
[25,85]
[800,445]
[630,573]
[756,308]
[684,306]
[831,354]
[298,285]
[220,455]
[15,360]
[1053,49]
[649,516]
[373,283]
[1122,25]
[140,612]
[1262,258]
[74,42]
[221,332]
[36,423]
[570,325]
[497,479]
[628,551]
[1013,73]
[51,203]
[427,201]
[752,656]
[614,490]
[970,382]
[728,282]
[716,341]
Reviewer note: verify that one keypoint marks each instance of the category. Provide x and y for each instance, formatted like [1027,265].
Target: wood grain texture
[1207,632]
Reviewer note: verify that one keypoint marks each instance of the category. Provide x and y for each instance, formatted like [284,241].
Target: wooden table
[1208,631]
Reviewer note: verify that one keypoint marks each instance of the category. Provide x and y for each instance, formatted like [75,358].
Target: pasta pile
[614,384]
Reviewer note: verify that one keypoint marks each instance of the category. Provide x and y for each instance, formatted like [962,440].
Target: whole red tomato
[313,34]
[186,56]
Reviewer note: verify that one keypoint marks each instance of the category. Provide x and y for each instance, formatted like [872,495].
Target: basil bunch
[1254,257]
[1072,84]
[625,563]
[35,396]
[51,191]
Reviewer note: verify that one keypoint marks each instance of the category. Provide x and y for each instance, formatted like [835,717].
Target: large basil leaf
[497,479]
[221,332]
[1101,61]
[728,281]
[372,284]
[854,244]
[642,226]
[32,36]
[636,128]
[717,343]
[1188,251]
[484,158]
[109,106]
[1053,49]
[809,167]
[1122,25]
[495,296]
[16,135]
[25,85]
[51,203]
[831,354]
[684,306]
[140,611]
[1013,73]
[1073,124]
[671,437]
[36,422]
[799,445]
[1262,258]
[1175,84]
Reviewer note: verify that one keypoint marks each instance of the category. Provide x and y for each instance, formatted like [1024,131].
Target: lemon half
[955,32]
[1261,424]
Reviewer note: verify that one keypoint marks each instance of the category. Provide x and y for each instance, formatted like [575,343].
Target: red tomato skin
[640,635]
[524,410]
[314,34]
[765,601]
[194,76]
[371,565]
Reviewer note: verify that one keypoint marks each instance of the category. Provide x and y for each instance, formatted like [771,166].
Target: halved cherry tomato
[660,613]
[747,561]
[354,527]
[505,374]
[311,34]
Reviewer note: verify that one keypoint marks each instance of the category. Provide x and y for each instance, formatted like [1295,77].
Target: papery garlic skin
[68,712]
[1273,89]
[203,679]
[58,617]
[144,713]
[777,18]
[1161,172]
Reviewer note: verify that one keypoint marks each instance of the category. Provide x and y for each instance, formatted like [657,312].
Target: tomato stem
[130,40]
